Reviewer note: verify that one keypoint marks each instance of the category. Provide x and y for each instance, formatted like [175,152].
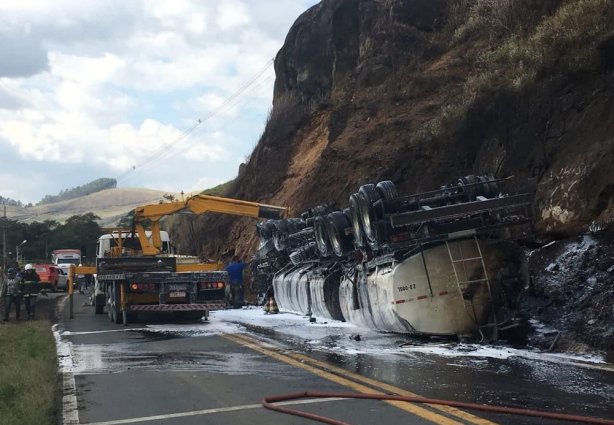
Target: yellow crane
[136,272]
[150,215]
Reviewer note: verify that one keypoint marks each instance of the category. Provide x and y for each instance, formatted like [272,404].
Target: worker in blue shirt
[235,275]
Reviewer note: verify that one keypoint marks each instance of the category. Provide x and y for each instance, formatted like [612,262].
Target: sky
[161,94]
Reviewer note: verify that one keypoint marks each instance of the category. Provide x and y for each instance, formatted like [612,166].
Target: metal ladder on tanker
[462,261]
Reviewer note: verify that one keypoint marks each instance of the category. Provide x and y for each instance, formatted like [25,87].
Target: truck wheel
[359,236]
[337,223]
[367,196]
[387,189]
[117,314]
[109,297]
[99,303]
[321,236]
[113,303]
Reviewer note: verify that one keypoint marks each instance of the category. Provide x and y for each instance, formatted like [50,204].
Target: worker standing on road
[235,275]
[11,294]
[29,289]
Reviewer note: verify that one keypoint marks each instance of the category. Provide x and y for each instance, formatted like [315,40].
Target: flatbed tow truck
[136,270]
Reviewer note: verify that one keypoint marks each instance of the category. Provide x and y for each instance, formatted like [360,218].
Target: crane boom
[197,204]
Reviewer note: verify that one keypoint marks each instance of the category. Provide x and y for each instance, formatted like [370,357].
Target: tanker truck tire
[322,238]
[367,196]
[387,189]
[359,236]
[339,241]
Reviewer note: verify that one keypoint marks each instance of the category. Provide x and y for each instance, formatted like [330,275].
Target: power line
[186,133]
[241,100]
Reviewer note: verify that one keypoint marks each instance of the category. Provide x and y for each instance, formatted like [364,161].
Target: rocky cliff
[421,92]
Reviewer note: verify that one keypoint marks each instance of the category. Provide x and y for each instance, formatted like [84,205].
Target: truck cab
[65,258]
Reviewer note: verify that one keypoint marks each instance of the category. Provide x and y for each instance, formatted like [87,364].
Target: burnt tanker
[443,262]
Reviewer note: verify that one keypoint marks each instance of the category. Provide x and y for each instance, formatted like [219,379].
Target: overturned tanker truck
[443,262]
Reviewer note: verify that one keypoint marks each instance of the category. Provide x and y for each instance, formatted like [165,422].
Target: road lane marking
[392,389]
[476,420]
[408,407]
[209,411]
[72,333]
[70,411]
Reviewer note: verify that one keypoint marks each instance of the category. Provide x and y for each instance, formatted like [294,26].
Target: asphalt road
[218,373]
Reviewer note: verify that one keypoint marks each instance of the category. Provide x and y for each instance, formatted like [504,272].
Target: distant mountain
[110,205]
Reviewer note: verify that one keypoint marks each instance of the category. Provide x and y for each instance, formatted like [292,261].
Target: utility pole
[4,241]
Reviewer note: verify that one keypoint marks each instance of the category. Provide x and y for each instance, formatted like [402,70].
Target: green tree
[79,232]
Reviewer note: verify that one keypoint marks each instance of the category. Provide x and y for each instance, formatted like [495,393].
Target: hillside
[421,93]
[109,205]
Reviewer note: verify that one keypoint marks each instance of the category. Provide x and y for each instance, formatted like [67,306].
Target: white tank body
[321,294]
[443,290]
[292,290]
[409,297]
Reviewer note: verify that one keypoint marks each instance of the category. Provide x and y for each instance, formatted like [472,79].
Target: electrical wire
[166,147]
[227,106]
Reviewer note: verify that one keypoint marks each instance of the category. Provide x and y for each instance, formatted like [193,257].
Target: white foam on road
[332,335]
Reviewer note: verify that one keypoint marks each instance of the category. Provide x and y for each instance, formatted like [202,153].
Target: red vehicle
[49,275]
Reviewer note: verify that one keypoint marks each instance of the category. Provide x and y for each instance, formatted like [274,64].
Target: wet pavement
[185,373]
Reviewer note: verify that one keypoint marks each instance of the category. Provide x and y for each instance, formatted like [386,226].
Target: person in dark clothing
[11,295]
[235,275]
[29,289]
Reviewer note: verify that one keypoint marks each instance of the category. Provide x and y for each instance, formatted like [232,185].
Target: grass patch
[28,374]
[219,190]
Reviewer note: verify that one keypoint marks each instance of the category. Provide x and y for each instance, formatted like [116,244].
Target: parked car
[62,280]
[49,275]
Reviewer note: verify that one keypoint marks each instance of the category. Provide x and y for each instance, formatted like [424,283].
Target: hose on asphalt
[268,403]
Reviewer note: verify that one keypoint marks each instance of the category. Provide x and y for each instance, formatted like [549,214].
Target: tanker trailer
[433,263]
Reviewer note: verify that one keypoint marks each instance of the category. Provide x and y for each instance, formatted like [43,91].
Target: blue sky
[93,89]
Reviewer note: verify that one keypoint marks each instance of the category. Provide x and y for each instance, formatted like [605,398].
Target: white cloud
[231,14]
[85,71]
[206,152]
[101,87]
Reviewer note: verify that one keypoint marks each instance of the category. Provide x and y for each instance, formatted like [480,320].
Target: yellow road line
[476,420]
[408,407]
[392,389]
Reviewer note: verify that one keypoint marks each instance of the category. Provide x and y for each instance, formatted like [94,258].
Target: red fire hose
[268,403]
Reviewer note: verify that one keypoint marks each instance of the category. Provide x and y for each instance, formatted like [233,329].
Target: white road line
[70,333]
[70,412]
[208,412]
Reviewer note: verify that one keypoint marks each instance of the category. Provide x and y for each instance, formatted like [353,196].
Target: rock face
[421,92]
